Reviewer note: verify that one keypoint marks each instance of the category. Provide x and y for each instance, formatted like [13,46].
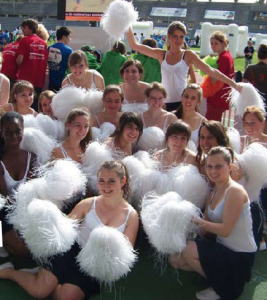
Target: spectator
[91,58]
[142,38]
[32,58]
[249,50]
[197,40]
[58,55]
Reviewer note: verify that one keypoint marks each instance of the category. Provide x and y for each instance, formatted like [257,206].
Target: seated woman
[188,111]
[226,262]
[132,88]
[64,280]
[112,100]
[125,137]
[253,124]
[156,115]
[44,103]
[175,151]
[78,135]
[16,167]
[80,75]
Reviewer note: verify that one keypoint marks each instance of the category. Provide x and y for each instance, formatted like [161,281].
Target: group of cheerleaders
[224,250]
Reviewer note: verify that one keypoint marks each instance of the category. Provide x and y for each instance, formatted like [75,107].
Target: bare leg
[38,285]
[68,291]
[190,254]
[178,262]
[14,244]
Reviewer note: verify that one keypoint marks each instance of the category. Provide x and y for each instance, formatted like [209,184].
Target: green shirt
[91,59]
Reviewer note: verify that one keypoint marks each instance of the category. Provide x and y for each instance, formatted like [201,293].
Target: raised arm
[146,50]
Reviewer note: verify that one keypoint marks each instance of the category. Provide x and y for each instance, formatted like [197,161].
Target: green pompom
[211,61]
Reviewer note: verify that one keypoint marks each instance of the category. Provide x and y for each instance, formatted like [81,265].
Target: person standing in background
[249,50]
[58,55]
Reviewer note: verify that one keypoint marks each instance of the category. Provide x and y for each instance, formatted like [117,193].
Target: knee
[190,251]
[70,292]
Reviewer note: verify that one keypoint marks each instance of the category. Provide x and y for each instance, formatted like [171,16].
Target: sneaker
[3,252]
[262,246]
[7,265]
[207,294]
[32,271]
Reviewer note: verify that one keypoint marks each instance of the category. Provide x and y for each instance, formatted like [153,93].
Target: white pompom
[248,97]
[108,255]
[101,134]
[235,140]
[92,100]
[167,221]
[137,108]
[30,121]
[39,143]
[3,201]
[48,232]
[146,159]
[151,139]
[117,19]
[191,146]
[65,100]
[253,162]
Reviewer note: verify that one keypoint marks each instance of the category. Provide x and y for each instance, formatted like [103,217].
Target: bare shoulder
[172,117]
[144,85]
[57,153]
[82,208]
[7,107]
[237,192]
[157,155]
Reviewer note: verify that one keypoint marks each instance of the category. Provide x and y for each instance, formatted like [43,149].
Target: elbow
[226,233]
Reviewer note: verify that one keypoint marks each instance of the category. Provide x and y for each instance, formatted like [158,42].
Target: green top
[110,66]
[91,59]
[152,69]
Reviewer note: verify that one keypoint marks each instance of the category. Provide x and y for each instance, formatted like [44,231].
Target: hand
[196,221]
[237,87]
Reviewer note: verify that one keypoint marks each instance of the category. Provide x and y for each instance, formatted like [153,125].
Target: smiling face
[130,133]
[206,140]
[177,143]
[78,70]
[176,40]
[112,102]
[12,132]
[25,98]
[46,106]
[190,99]
[109,183]
[253,127]
[218,170]
[156,99]
[78,128]
[131,74]
[217,46]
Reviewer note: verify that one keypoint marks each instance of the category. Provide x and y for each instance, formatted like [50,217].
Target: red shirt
[10,68]
[226,66]
[33,67]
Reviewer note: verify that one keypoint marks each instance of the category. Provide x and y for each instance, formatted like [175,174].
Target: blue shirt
[58,55]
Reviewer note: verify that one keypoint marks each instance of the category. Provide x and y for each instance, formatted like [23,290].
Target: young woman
[78,135]
[226,262]
[65,280]
[175,152]
[188,111]
[21,98]
[4,85]
[253,124]
[16,167]
[175,63]
[125,137]
[80,75]
[112,100]
[132,88]
[156,115]
[44,103]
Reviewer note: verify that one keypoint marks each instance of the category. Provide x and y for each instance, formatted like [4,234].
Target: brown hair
[156,86]
[256,111]
[150,42]
[221,37]
[45,94]
[132,62]
[262,51]
[175,25]
[31,23]
[190,86]
[120,169]
[113,88]
[119,47]
[178,127]
[77,57]
[18,88]
[227,152]
[80,112]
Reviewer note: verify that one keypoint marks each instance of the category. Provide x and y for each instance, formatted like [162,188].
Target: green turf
[150,282]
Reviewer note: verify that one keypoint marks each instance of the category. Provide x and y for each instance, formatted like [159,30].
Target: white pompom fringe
[3,201]
[117,19]
[101,134]
[249,96]
[108,255]
[92,100]
[137,108]
[235,139]
[151,139]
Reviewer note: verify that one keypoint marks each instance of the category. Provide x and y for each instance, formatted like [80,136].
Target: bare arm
[132,227]
[4,96]
[99,81]
[146,50]
[19,59]
[192,74]
[56,154]
[64,82]
[81,209]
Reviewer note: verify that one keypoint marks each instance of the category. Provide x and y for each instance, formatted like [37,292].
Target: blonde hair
[45,94]
[175,25]
[221,37]
[42,32]
[18,88]
[256,111]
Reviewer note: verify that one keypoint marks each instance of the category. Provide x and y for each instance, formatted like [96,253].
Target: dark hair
[31,23]
[227,152]
[156,86]
[262,51]
[126,118]
[120,169]
[113,88]
[10,116]
[218,131]
[63,31]
[77,57]
[119,47]
[190,86]
[178,127]
[150,42]
[132,62]
[81,112]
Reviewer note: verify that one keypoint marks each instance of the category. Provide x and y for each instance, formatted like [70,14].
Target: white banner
[168,12]
[219,14]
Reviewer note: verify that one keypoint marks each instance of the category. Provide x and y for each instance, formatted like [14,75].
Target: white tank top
[92,221]
[93,85]
[241,238]
[174,79]
[194,133]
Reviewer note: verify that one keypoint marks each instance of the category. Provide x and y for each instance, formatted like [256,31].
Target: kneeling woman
[227,261]
[65,281]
